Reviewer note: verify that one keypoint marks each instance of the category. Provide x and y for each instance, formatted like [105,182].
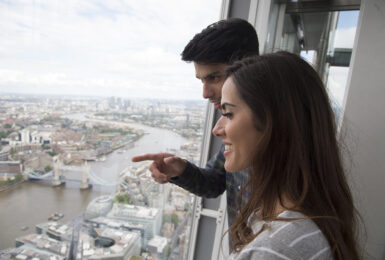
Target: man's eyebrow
[224,105]
[210,74]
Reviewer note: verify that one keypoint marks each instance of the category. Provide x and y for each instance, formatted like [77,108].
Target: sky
[122,48]
[108,48]
[344,38]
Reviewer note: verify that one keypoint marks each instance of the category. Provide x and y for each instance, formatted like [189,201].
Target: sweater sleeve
[209,182]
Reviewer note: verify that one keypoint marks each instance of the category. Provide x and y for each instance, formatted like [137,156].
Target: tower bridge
[57,178]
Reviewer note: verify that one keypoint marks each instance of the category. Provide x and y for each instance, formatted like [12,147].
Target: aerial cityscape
[69,190]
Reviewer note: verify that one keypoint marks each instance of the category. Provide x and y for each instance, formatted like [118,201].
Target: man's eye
[212,78]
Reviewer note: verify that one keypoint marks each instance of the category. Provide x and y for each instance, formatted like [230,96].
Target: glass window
[324,39]
[340,54]
[84,86]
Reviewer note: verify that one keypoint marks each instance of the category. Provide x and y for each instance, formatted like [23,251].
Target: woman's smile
[227,149]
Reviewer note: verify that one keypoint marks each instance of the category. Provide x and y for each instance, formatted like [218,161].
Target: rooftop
[123,210]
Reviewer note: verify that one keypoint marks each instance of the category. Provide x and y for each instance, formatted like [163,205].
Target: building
[105,222]
[45,243]
[149,218]
[41,137]
[53,240]
[4,153]
[98,207]
[25,136]
[125,244]
[27,252]
[157,247]
[55,230]
[11,167]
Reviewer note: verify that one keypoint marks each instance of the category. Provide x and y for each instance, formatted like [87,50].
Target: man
[211,51]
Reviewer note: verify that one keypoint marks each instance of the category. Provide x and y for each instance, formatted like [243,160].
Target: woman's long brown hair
[298,156]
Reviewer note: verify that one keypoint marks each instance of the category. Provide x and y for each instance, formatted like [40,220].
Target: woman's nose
[219,129]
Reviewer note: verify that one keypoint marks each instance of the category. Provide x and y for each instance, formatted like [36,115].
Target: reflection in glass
[324,39]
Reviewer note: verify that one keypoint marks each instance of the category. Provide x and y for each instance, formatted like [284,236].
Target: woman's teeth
[228,147]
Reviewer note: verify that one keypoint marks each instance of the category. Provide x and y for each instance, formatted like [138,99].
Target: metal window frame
[198,210]
[322,6]
[258,17]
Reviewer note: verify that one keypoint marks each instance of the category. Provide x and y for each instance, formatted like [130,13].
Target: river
[30,203]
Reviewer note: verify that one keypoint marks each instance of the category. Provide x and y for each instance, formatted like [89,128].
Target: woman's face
[236,128]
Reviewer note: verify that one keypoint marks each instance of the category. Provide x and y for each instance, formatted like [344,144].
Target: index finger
[150,156]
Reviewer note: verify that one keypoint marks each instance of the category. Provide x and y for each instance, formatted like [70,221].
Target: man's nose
[207,91]
[219,128]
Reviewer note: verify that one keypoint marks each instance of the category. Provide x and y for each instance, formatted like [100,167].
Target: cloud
[337,84]
[132,47]
[345,38]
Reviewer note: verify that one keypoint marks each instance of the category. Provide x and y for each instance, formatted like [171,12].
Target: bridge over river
[57,177]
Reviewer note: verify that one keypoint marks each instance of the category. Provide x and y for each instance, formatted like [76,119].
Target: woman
[277,121]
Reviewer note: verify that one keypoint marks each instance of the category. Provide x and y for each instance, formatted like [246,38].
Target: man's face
[212,77]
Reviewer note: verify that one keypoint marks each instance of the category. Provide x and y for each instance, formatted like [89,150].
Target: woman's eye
[228,115]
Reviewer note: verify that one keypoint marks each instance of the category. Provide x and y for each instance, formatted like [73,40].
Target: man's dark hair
[222,42]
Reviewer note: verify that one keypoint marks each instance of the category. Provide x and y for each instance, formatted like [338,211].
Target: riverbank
[8,186]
